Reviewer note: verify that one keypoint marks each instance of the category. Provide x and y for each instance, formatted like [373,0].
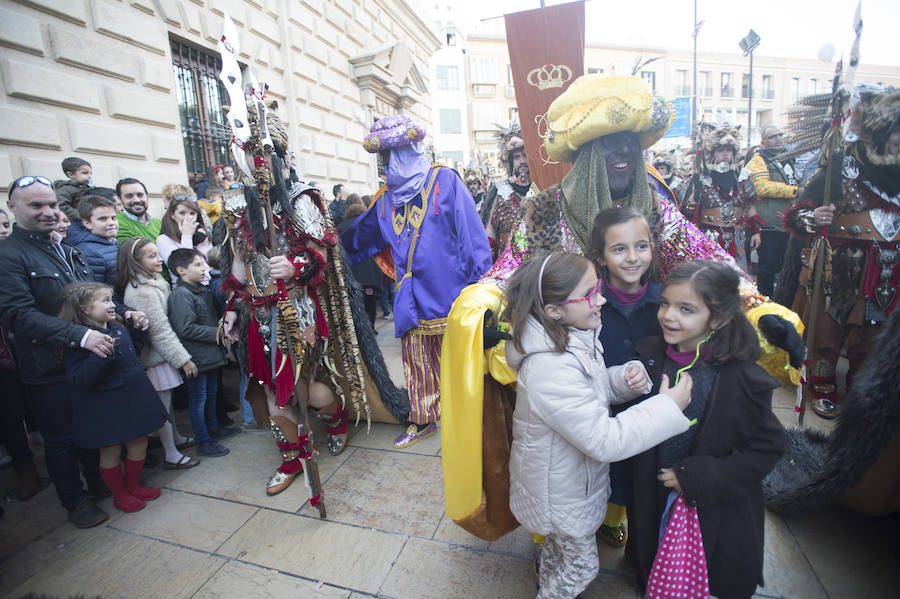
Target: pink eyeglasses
[589,298]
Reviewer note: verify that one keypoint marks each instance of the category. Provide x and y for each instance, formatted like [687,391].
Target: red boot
[122,499]
[133,481]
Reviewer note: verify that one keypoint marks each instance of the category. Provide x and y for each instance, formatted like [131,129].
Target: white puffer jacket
[564,437]
[151,297]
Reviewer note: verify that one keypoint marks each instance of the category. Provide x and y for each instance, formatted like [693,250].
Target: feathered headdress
[508,138]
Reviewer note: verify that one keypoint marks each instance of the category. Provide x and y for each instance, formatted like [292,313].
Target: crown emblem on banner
[549,76]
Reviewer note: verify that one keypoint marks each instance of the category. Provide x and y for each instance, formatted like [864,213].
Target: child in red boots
[113,401]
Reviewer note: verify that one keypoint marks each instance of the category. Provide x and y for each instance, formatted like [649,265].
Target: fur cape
[820,469]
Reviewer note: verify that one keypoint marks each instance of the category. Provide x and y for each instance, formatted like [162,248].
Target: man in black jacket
[37,266]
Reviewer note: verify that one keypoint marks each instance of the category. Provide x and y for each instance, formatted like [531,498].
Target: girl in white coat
[563,435]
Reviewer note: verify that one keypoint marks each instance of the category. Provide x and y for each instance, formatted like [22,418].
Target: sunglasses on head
[27,181]
[589,298]
[180,196]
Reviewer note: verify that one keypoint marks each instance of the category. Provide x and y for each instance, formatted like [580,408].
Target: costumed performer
[425,215]
[862,260]
[726,210]
[319,324]
[505,196]
[601,124]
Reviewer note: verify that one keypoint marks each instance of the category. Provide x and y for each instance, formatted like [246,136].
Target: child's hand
[188,225]
[189,369]
[636,378]
[667,476]
[680,393]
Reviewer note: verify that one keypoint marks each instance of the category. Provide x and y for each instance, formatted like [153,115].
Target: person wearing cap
[503,203]
[425,215]
[600,124]
[777,189]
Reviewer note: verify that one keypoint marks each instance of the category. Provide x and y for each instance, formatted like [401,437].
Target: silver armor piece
[235,201]
[307,217]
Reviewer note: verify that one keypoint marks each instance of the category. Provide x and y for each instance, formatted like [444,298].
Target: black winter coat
[33,277]
[739,442]
[113,401]
[193,316]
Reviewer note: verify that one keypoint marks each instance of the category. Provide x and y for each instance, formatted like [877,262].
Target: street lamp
[748,45]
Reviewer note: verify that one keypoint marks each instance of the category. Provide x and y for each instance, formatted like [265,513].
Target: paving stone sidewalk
[214,533]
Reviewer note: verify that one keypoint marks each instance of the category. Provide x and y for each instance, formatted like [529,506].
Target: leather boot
[287,438]
[336,427]
[122,499]
[27,482]
[133,470]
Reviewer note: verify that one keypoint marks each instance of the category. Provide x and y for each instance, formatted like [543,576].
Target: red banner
[546,54]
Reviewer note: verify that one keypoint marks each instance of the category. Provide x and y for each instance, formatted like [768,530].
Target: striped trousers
[422,367]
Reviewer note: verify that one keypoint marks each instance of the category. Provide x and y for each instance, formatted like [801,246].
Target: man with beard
[726,210]
[862,270]
[777,189]
[600,124]
[134,221]
[427,201]
[664,163]
[504,197]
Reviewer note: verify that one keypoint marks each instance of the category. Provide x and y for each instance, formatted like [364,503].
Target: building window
[727,88]
[681,83]
[451,39]
[704,84]
[204,130]
[723,116]
[447,78]
[795,89]
[768,87]
[484,69]
[650,78]
[451,120]
[813,86]
[745,85]
[484,117]
[513,111]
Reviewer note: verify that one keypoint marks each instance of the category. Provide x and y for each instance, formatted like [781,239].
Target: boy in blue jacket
[95,236]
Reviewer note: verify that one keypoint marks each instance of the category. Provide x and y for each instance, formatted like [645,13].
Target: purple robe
[451,251]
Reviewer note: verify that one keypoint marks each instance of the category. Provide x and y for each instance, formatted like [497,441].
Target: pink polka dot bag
[679,570]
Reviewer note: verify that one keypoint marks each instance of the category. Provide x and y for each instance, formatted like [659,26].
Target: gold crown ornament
[549,76]
[598,105]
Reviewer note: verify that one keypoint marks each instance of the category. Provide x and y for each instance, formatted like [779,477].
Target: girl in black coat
[733,443]
[113,401]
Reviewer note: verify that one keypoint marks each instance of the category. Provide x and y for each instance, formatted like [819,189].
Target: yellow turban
[598,105]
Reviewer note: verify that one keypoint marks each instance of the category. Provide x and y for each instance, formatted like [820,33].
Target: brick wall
[94,78]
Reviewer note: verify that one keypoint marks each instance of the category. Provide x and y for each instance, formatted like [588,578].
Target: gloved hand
[782,334]
[492,334]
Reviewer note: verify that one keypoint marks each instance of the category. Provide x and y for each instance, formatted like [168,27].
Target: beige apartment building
[131,85]
[722,80]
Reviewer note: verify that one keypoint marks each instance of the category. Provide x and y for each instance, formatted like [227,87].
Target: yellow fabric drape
[462,395]
[773,359]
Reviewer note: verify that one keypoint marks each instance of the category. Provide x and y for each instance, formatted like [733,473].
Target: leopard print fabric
[542,216]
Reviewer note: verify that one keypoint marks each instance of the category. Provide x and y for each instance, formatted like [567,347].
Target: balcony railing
[727,91]
[683,90]
[705,92]
[768,94]
[510,91]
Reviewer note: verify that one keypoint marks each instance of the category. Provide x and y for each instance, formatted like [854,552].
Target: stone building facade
[130,85]
[722,84]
